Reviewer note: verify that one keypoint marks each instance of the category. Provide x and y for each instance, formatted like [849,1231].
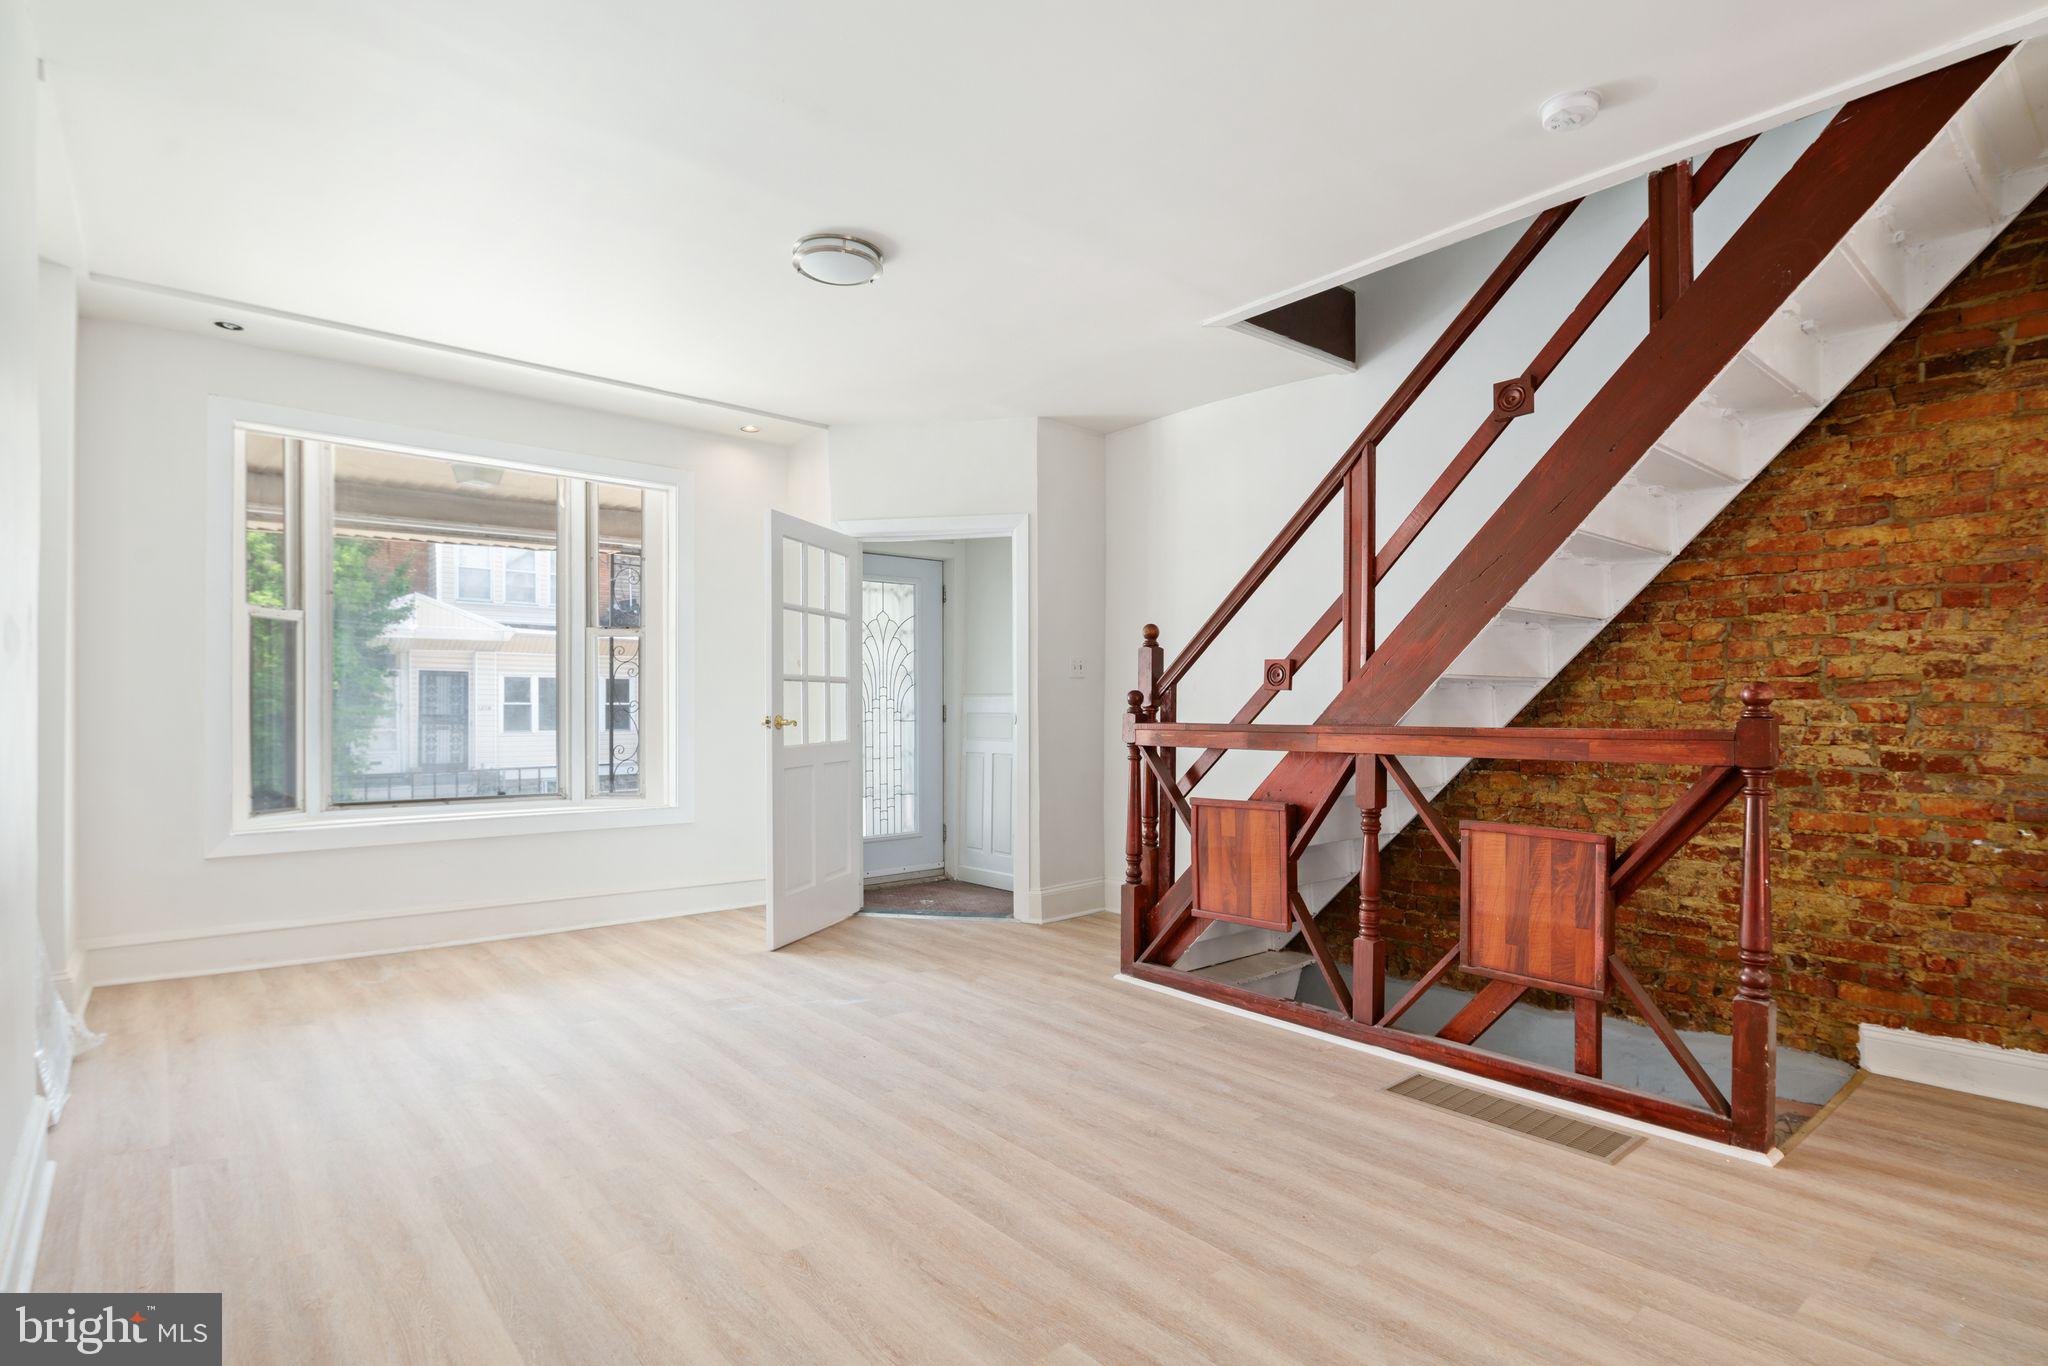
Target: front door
[814,877]
[901,683]
[444,719]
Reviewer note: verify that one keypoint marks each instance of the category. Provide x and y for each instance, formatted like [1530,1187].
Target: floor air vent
[1607,1145]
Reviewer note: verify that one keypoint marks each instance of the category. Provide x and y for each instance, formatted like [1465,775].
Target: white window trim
[666,693]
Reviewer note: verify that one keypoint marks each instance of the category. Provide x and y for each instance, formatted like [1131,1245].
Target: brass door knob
[776,722]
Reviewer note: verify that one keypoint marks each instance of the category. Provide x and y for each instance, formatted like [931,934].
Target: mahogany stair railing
[1698,326]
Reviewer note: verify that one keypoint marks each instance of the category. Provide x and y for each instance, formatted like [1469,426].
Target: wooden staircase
[1896,195]
[1988,163]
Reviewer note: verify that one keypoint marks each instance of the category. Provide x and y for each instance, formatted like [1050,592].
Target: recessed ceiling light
[749,428]
[224,325]
[833,258]
[1573,109]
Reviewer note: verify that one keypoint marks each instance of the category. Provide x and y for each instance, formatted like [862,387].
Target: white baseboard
[1064,901]
[73,985]
[25,1200]
[149,958]
[1977,1069]
[999,878]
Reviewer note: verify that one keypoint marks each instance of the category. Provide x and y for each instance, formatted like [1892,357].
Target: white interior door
[814,821]
[902,696]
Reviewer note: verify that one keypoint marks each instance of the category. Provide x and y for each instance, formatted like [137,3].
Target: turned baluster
[1134,893]
[1754,1080]
[1368,952]
[1148,866]
[1151,663]
[1169,830]
[1361,543]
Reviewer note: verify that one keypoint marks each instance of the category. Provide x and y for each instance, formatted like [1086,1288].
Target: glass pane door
[889,700]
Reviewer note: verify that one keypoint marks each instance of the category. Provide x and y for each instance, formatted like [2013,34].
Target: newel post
[1151,663]
[1754,1079]
[1368,952]
[1134,899]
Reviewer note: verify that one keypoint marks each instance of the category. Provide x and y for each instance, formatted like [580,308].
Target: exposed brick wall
[1886,576]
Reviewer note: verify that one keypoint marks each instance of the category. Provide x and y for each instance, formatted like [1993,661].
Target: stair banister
[1745,1116]
[1532,241]
[1609,283]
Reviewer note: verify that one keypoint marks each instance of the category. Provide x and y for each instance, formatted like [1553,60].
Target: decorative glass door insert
[889,708]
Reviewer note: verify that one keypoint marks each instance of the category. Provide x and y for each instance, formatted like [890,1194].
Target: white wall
[986,592]
[1196,496]
[1068,738]
[22,1166]
[57,348]
[149,902]
[809,494]
[933,469]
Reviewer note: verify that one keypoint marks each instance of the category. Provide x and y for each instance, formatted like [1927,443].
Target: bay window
[420,633]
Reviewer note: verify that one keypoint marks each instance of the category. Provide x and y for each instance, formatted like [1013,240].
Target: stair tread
[1255,968]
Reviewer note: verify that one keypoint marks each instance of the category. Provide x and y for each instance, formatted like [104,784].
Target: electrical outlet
[1077,667]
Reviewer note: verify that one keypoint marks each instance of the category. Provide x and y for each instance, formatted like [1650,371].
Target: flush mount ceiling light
[1573,109]
[833,258]
[750,429]
[477,476]
[224,325]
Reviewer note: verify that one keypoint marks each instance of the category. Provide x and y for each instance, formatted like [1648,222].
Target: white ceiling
[1067,192]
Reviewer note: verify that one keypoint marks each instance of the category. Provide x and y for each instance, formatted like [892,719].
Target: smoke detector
[1573,109]
[833,258]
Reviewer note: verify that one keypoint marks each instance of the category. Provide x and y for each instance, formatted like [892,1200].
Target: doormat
[940,897]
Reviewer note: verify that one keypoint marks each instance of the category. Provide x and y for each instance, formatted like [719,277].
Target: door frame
[1017,527]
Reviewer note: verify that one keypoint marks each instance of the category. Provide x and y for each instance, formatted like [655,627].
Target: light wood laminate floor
[948,1140]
